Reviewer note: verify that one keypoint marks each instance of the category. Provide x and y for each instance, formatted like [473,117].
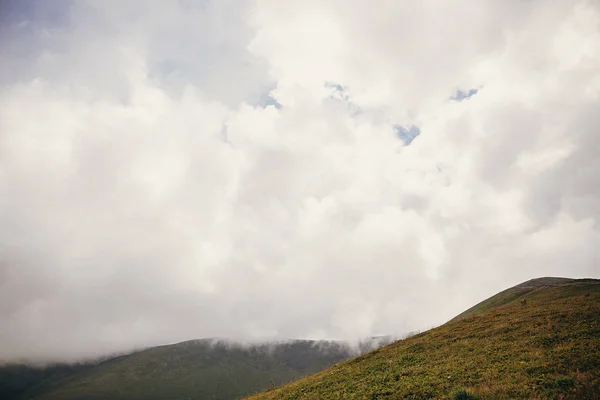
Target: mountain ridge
[208,368]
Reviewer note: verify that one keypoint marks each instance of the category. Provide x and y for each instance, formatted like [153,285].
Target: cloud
[232,169]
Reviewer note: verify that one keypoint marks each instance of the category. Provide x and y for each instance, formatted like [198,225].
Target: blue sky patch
[462,95]
[267,100]
[407,135]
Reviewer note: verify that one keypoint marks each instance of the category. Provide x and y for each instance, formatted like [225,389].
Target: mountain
[537,340]
[200,369]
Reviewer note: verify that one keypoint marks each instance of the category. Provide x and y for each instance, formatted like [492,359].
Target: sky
[320,169]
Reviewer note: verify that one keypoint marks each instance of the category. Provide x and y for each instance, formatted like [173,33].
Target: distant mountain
[537,340]
[205,369]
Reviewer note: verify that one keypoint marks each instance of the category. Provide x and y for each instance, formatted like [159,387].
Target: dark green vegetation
[538,340]
[201,369]
[16,379]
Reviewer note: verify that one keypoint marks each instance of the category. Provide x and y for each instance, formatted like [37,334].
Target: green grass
[504,348]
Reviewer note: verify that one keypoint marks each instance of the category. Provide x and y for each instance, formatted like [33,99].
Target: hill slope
[200,369]
[16,379]
[545,347]
[513,293]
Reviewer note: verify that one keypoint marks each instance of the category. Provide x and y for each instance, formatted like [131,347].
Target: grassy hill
[201,369]
[538,340]
[511,294]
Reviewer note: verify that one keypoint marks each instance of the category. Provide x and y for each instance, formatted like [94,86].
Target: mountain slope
[545,347]
[200,369]
[16,379]
[513,293]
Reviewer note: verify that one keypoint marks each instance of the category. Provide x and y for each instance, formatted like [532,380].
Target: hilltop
[513,293]
[537,340]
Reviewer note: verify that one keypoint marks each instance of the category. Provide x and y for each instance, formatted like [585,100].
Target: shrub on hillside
[464,395]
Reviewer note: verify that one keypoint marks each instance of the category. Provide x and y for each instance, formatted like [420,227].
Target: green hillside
[513,293]
[538,340]
[201,369]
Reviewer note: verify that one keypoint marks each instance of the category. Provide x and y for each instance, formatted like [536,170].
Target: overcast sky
[335,169]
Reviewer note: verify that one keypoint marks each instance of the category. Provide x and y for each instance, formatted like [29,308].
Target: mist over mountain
[217,369]
[536,340]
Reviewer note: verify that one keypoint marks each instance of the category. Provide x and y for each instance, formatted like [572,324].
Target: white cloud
[146,197]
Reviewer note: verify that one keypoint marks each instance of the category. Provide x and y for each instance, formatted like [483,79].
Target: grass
[546,347]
